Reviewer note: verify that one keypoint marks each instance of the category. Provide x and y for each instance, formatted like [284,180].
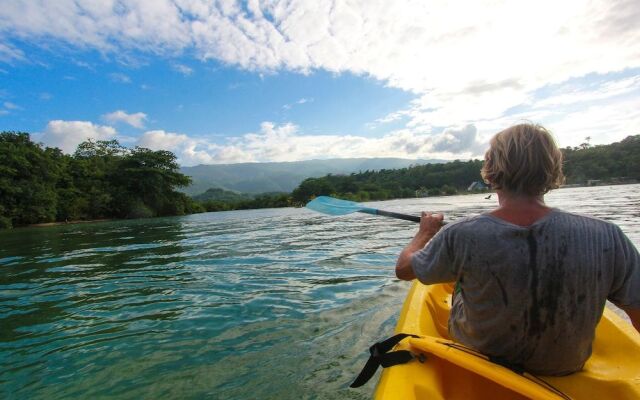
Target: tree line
[421,180]
[616,162]
[101,180]
[611,162]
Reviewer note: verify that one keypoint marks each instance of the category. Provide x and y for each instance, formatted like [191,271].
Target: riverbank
[88,221]
[488,193]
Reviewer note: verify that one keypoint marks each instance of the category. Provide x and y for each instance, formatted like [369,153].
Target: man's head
[523,160]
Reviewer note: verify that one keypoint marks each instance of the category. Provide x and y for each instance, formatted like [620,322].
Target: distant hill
[283,176]
[216,194]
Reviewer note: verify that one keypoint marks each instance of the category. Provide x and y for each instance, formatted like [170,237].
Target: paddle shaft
[332,206]
[406,217]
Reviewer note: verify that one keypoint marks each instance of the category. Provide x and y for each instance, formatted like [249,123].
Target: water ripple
[249,304]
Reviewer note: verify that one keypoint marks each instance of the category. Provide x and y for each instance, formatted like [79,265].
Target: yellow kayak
[452,371]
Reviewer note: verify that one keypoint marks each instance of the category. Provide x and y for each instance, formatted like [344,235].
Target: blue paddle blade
[332,206]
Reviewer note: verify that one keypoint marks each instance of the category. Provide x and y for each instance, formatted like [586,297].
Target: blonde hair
[523,159]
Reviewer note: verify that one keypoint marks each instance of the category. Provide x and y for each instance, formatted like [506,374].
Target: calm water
[275,304]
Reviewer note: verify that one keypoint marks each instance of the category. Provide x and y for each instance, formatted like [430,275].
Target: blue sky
[183,95]
[225,82]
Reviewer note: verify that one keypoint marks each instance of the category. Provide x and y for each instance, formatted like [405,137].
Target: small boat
[443,369]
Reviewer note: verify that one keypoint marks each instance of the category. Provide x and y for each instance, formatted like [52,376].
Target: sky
[256,81]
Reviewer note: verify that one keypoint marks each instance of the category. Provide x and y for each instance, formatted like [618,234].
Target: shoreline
[81,221]
[49,224]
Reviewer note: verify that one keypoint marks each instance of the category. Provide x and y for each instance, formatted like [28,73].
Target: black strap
[380,356]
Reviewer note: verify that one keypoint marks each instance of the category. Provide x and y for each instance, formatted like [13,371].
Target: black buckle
[380,356]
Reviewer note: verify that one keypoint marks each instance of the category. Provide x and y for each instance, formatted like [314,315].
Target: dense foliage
[217,194]
[266,200]
[216,199]
[100,180]
[618,161]
[421,180]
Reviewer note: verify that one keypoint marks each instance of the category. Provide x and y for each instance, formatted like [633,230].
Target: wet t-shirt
[532,296]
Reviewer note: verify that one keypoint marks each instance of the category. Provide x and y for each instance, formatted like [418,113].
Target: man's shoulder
[468,222]
[590,221]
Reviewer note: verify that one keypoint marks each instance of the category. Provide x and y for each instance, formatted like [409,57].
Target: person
[531,281]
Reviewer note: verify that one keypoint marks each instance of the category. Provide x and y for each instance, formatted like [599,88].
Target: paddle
[332,206]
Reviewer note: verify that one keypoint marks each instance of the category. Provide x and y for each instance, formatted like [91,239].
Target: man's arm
[634,315]
[429,226]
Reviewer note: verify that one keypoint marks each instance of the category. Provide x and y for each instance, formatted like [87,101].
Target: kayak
[447,370]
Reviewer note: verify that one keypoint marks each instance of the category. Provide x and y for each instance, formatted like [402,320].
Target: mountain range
[256,178]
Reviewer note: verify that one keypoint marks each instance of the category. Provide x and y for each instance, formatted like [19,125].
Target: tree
[149,178]
[101,180]
[28,174]
[313,187]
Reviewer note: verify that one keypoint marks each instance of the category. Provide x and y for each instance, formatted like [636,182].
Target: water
[277,304]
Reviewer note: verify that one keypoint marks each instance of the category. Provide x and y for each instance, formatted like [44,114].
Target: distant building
[477,185]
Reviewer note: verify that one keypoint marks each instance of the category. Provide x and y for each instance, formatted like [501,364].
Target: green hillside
[281,176]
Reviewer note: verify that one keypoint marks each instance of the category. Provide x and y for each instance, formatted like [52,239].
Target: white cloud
[136,119]
[11,106]
[285,143]
[188,150]
[9,53]
[119,77]
[301,101]
[472,63]
[458,140]
[607,110]
[8,107]
[569,95]
[67,135]
[420,46]
[604,123]
[183,69]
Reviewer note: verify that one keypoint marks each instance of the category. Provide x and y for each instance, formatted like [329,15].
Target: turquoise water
[278,304]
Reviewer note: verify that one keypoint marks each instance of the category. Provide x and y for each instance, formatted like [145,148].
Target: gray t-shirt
[532,296]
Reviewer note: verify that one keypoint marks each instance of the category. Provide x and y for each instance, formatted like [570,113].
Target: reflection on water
[250,304]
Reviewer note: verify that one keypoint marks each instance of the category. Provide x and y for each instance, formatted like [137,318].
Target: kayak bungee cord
[514,368]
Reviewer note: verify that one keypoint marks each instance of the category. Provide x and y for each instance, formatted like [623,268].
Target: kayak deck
[451,371]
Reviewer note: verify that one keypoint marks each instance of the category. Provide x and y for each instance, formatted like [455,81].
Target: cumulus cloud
[285,142]
[136,119]
[471,67]
[416,46]
[458,140]
[67,135]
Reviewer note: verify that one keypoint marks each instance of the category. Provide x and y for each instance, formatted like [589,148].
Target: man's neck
[520,209]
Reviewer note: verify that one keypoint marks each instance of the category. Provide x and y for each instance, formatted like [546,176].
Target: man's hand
[430,224]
